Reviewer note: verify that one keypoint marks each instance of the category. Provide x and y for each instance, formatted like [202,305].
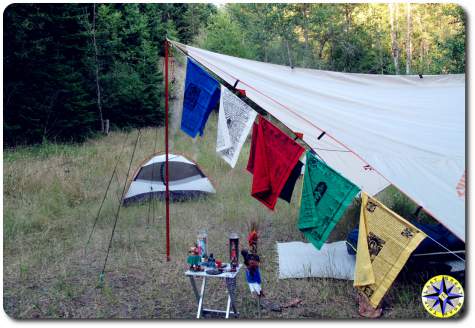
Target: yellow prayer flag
[385,242]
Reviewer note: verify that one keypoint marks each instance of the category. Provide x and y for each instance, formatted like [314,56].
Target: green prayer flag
[325,196]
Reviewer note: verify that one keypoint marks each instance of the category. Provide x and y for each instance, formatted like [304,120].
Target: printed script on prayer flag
[325,197]
[385,242]
[234,123]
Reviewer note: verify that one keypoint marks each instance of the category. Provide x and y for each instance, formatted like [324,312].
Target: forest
[69,67]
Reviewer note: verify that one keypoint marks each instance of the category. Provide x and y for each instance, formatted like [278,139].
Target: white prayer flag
[234,123]
[382,127]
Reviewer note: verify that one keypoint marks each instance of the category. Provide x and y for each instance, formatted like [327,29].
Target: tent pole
[167,191]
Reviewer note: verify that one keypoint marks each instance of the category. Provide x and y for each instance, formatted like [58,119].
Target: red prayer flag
[272,158]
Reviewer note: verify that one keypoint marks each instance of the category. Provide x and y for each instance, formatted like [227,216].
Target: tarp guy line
[254,104]
[107,190]
[118,208]
[298,115]
[288,109]
[278,103]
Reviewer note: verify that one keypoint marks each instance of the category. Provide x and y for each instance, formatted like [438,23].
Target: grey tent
[186,180]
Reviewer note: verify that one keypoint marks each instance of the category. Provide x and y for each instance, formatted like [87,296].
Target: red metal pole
[167,191]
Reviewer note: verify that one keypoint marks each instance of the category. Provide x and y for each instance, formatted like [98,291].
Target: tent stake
[167,191]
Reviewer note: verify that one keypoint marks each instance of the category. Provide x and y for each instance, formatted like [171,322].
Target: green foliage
[50,66]
[46,94]
[128,60]
[224,36]
[343,37]
[190,18]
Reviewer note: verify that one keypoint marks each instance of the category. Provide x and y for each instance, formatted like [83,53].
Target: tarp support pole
[167,190]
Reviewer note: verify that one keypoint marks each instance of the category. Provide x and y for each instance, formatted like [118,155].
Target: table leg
[201,299]
[228,307]
[195,290]
[234,308]
[231,287]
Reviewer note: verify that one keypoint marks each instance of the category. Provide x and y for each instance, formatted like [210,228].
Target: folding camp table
[230,281]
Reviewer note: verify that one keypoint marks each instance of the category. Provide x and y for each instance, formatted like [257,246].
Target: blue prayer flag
[202,93]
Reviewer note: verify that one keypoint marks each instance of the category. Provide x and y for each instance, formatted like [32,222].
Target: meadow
[52,193]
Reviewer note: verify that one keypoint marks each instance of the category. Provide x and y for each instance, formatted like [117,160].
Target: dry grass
[52,193]
[51,197]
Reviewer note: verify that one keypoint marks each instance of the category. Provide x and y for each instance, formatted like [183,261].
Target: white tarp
[234,123]
[301,260]
[404,130]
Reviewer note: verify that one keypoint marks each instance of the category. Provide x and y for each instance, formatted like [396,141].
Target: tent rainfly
[375,130]
[186,180]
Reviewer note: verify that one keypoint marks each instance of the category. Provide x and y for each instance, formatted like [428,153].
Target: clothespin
[418,210]
[242,92]
[298,135]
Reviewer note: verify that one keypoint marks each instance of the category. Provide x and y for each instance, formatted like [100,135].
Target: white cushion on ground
[301,260]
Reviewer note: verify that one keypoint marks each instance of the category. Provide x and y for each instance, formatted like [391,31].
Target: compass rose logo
[442,296]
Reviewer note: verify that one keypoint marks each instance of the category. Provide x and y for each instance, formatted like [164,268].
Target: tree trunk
[305,32]
[348,11]
[422,47]
[323,41]
[380,53]
[393,18]
[106,127]
[193,28]
[98,87]
[408,39]
[288,53]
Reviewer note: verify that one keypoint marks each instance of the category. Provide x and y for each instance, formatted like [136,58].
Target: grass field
[51,196]
[52,193]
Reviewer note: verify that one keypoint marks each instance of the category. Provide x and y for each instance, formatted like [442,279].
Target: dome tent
[187,180]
